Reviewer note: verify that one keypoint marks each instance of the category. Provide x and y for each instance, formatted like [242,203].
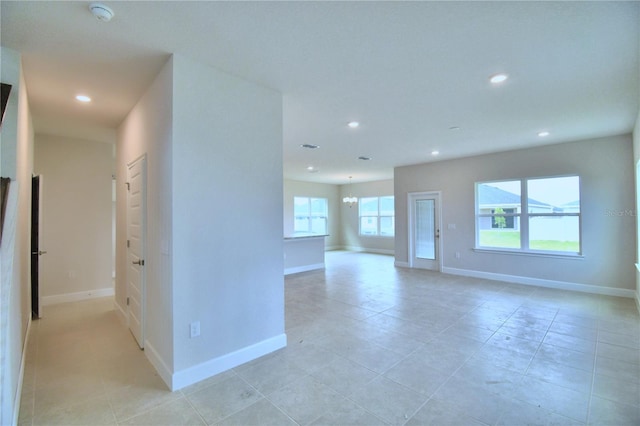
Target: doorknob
[39,253]
[138,262]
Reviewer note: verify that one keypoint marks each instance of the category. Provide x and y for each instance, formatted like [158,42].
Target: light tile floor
[369,344]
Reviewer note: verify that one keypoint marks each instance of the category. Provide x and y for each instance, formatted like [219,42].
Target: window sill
[570,256]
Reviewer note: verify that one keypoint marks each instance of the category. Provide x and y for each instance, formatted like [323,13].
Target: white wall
[16,147]
[214,219]
[350,219]
[606,170]
[227,220]
[293,188]
[76,217]
[148,129]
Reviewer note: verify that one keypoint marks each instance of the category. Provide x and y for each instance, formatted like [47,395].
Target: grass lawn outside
[503,239]
[511,239]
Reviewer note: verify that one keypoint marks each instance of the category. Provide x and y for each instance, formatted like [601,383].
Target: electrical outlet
[194,329]
[457,255]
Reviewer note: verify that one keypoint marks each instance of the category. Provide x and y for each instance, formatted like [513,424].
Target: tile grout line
[541,343]
[186,397]
[593,373]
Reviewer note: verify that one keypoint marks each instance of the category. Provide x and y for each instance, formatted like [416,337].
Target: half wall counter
[303,252]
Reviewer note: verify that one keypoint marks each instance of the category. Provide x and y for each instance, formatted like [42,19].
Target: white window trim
[524,217]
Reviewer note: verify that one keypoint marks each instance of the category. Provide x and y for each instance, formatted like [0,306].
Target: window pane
[369,226]
[425,238]
[386,206]
[554,233]
[502,201]
[319,225]
[498,197]
[319,206]
[301,206]
[554,195]
[387,226]
[301,224]
[369,206]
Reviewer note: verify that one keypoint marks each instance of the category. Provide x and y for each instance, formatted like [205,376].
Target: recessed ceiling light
[364,158]
[454,128]
[310,146]
[498,78]
[353,124]
[543,134]
[83,98]
[435,152]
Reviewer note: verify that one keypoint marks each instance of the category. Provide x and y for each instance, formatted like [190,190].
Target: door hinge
[128,186]
[128,243]
[127,301]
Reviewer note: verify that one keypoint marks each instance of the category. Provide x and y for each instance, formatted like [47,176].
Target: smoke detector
[101,12]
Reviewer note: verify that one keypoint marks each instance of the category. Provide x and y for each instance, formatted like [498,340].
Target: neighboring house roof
[571,207]
[490,195]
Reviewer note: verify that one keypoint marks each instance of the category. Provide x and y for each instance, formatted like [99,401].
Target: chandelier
[350,200]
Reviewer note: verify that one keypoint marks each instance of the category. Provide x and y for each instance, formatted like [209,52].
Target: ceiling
[414,74]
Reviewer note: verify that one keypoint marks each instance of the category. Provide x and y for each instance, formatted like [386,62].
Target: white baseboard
[75,297]
[214,366]
[18,397]
[305,268]
[370,250]
[401,264]
[638,300]
[559,285]
[158,363]
[332,248]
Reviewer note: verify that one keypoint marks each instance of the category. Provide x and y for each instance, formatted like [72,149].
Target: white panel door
[424,230]
[136,236]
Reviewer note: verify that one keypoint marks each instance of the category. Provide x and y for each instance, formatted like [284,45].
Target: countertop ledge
[295,237]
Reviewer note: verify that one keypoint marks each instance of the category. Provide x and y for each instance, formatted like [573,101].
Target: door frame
[143,223]
[411,198]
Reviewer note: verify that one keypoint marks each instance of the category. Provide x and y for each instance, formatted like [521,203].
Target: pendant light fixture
[350,200]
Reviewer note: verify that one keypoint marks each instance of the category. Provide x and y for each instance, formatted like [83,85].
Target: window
[530,215]
[377,216]
[310,215]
